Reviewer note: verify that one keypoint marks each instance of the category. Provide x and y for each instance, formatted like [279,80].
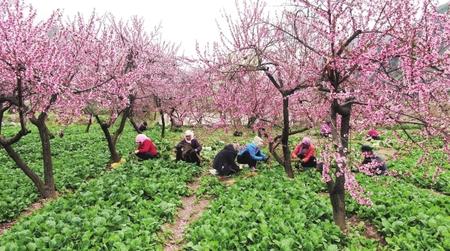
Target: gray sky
[183,21]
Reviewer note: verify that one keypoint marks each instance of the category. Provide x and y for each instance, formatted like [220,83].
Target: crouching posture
[146,148]
[372,164]
[304,152]
[189,149]
[251,154]
[224,162]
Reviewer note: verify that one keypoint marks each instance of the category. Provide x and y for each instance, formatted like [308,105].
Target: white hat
[189,133]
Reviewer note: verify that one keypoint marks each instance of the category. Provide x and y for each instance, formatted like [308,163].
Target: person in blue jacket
[251,153]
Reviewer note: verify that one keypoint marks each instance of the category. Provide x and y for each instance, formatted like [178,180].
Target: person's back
[224,161]
[251,153]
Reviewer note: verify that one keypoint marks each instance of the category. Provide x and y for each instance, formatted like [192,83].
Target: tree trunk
[135,126]
[341,139]
[125,116]
[37,181]
[285,139]
[44,134]
[89,123]
[163,123]
[337,197]
[251,121]
[2,110]
[114,155]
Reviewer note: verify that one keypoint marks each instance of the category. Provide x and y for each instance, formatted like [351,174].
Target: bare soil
[191,210]
[370,231]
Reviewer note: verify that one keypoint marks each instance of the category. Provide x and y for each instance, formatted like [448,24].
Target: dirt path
[191,209]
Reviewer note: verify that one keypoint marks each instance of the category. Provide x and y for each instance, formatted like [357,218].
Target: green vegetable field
[125,208]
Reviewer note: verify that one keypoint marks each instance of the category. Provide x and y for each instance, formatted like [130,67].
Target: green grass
[124,209]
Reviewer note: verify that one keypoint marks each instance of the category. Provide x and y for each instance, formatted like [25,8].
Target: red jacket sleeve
[296,151]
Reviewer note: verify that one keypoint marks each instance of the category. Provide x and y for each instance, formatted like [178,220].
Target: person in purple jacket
[251,153]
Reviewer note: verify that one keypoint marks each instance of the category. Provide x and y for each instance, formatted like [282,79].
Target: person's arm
[178,151]
[295,152]
[253,151]
[309,154]
[260,153]
[196,146]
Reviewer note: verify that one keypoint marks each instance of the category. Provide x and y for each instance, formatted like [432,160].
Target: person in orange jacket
[146,148]
[304,152]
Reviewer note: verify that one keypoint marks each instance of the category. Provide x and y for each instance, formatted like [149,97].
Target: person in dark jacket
[146,148]
[251,153]
[372,164]
[142,127]
[224,162]
[189,149]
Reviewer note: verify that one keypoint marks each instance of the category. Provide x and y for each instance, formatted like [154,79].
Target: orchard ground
[125,208]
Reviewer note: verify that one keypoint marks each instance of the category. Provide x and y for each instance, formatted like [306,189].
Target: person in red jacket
[304,152]
[146,148]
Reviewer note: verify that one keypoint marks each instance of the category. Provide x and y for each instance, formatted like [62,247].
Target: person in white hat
[189,149]
[251,153]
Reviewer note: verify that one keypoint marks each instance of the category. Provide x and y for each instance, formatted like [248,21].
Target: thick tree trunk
[341,139]
[337,197]
[285,139]
[44,134]
[163,124]
[114,155]
[112,139]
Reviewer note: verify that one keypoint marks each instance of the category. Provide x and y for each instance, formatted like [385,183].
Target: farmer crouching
[146,148]
[372,164]
[304,152]
[188,149]
[224,161]
[251,153]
